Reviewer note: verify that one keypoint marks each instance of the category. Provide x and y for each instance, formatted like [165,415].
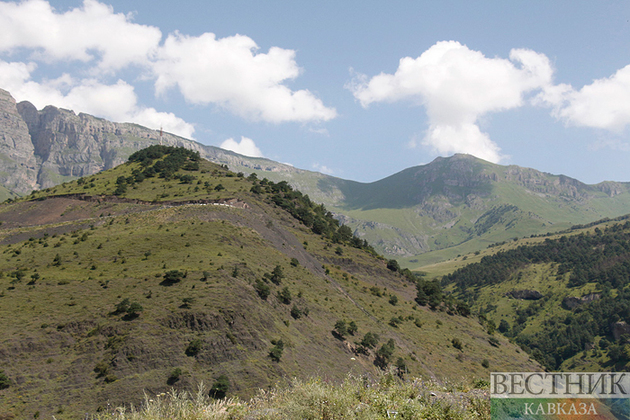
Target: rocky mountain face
[18,165]
[40,149]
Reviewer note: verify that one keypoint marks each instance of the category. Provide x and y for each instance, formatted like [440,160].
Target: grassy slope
[59,328]
[492,299]
[395,213]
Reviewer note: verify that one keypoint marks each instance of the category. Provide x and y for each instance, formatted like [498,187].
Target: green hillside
[565,300]
[170,270]
[461,204]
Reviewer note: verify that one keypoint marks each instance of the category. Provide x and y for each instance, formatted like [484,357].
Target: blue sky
[359,90]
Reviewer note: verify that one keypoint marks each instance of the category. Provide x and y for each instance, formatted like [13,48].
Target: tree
[262,289]
[276,350]
[122,306]
[504,327]
[370,340]
[352,327]
[384,354]
[340,328]
[134,309]
[284,295]
[220,388]
[393,265]
[276,275]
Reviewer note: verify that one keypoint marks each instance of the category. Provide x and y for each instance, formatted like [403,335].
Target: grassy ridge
[70,256]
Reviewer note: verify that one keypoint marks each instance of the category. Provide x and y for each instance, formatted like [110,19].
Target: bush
[296,312]
[174,377]
[276,350]
[262,289]
[393,265]
[194,347]
[5,382]
[340,328]
[370,340]
[284,295]
[457,343]
[172,277]
[220,387]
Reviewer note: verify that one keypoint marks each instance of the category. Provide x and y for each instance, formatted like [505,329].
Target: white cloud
[246,147]
[116,102]
[228,72]
[457,86]
[89,33]
[604,104]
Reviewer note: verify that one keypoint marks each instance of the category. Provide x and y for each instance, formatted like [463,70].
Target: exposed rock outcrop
[18,166]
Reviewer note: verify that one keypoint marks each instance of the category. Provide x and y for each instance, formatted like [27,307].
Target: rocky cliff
[40,149]
[18,165]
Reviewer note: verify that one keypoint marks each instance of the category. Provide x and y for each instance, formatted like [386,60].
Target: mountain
[169,270]
[41,149]
[420,215]
[462,204]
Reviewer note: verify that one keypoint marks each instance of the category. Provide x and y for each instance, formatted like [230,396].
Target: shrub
[485,363]
[262,289]
[220,387]
[172,277]
[457,343]
[194,347]
[384,354]
[393,265]
[296,312]
[393,300]
[370,340]
[276,350]
[340,328]
[284,295]
[5,382]
[174,376]
[352,327]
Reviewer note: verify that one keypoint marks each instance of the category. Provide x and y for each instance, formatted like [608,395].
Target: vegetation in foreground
[355,398]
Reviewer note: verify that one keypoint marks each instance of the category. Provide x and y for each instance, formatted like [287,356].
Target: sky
[355,89]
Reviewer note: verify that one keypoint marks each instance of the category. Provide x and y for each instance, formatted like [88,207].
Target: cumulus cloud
[246,147]
[457,86]
[95,45]
[92,32]
[604,104]
[116,102]
[230,73]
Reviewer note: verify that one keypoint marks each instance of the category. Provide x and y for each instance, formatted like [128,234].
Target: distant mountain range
[420,215]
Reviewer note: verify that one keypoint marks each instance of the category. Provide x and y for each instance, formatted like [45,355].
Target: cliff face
[40,149]
[18,165]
